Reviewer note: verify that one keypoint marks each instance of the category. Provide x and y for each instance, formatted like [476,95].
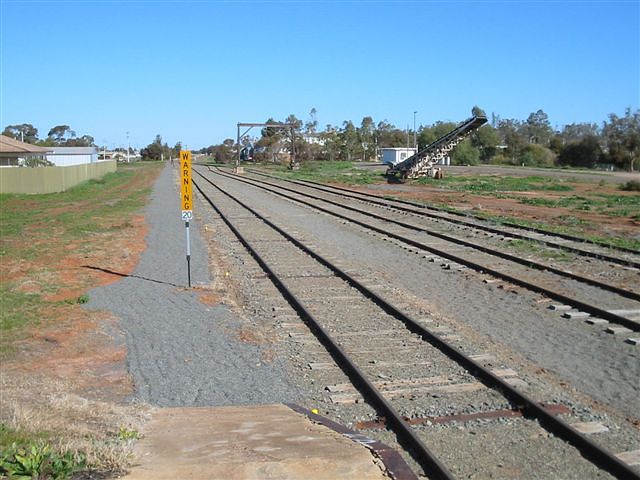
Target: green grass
[336,172]
[17,311]
[537,249]
[612,205]
[9,436]
[492,184]
[40,226]
[570,225]
[31,214]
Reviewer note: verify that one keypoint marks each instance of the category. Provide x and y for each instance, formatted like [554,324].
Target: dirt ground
[66,373]
[507,204]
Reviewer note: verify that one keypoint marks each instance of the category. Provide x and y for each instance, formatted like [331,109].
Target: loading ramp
[423,163]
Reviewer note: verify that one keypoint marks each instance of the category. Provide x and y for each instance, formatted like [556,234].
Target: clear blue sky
[190,70]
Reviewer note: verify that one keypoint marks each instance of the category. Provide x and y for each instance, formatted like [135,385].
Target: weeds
[534,248]
[39,460]
[125,434]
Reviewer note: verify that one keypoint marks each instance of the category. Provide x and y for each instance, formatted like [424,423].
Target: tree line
[60,136]
[531,142]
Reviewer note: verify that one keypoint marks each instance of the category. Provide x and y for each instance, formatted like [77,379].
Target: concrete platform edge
[393,462]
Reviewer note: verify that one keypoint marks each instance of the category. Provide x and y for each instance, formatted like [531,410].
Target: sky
[191,70]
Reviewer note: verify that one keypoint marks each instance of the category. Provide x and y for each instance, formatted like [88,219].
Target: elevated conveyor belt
[421,163]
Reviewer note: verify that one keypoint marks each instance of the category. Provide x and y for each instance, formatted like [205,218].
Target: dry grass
[36,405]
[63,376]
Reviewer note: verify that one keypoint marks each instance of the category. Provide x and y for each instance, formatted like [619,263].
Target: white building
[65,156]
[395,155]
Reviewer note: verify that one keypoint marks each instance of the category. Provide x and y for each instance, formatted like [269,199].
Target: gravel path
[182,352]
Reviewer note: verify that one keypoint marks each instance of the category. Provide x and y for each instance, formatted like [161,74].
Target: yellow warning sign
[186,196]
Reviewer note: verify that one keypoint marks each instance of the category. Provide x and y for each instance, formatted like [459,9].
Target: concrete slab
[631,458]
[576,315]
[256,442]
[596,321]
[617,330]
[560,307]
[589,428]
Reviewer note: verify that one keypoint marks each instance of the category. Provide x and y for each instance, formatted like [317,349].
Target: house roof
[9,145]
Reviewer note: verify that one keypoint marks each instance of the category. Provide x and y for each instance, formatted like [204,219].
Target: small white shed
[65,156]
[395,155]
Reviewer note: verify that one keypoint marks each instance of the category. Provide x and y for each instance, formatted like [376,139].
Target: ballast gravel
[182,352]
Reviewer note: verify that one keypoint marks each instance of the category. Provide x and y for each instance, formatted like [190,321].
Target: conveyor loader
[424,163]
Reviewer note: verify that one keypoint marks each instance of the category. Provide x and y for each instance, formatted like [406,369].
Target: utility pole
[128,147]
[415,141]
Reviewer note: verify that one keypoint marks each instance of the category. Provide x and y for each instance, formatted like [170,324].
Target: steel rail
[530,407]
[419,450]
[491,251]
[593,310]
[379,201]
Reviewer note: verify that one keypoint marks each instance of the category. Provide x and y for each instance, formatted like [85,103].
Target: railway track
[385,351]
[620,306]
[570,243]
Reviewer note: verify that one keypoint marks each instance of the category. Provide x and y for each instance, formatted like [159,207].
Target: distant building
[313,139]
[393,155]
[14,153]
[65,156]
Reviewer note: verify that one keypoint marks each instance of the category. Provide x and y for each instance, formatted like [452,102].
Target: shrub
[538,156]
[631,186]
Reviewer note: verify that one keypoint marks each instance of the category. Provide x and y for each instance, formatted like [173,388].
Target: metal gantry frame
[283,126]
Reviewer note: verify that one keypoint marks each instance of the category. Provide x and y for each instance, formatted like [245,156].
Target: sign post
[186,198]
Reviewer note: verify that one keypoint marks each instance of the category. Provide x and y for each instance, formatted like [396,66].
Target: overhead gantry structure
[290,127]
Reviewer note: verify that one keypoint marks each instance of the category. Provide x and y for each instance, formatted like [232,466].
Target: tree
[476,111]
[271,142]
[366,132]
[312,125]
[534,155]
[577,131]
[175,151]
[83,141]
[432,133]
[537,128]
[584,153]
[330,143]
[61,133]
[486,140]
[155,150]
[224,153]
[510,131]
[24,132]
[622,139]
[465,154]
[348,141]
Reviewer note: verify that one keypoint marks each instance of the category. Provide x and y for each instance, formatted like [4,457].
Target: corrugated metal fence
[51,179]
